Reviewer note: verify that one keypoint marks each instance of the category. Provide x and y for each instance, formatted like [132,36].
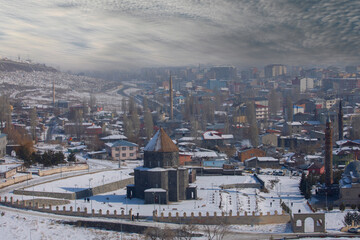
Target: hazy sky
[127,34]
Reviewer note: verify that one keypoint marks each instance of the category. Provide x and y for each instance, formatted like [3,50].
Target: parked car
[353,230]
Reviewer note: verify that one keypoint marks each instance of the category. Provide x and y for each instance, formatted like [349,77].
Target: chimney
[328,153]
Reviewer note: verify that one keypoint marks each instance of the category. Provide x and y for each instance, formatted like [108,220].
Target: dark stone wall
[183,182]
[140,183]
[158,179]
[161,159]
[173,185]
[156,197]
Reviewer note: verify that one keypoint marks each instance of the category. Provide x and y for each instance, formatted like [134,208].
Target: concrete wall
[77,167]
[222,219]
[14,180]
[241,185]
[80,194]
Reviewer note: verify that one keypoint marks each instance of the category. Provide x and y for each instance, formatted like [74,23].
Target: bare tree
[251,118]
[217,231]
[124,106]
[79,128]
[153,233]
[149,124]
[186,231]
[92,102]
[5,112]
[274,103]
[355,128]
[289,110]
[33,122]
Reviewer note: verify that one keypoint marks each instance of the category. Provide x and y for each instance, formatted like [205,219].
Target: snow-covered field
[285,188]
[19,226]
[75,184]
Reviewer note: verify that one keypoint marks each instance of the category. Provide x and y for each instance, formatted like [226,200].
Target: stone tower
[328,153]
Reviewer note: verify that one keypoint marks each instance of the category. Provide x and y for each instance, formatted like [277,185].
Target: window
[131,154]
[117,149]
[131,148]
[124,154]
[117,155]
[123,148]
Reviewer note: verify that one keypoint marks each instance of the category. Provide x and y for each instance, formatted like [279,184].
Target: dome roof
[353,167]
[161,142]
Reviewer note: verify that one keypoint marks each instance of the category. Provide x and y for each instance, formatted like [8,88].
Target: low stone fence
[65,211]
[14,180]
[77,167]
[259,184]
[80,194]
[9,173]
[241,185]
[215,219]
[262,183]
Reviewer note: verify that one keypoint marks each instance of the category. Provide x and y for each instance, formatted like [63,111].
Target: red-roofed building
[316,169]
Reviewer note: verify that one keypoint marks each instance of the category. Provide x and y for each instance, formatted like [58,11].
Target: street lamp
[90,179]
[103,182]
[75,195]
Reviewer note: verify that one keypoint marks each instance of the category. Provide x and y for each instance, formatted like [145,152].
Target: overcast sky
[129,34]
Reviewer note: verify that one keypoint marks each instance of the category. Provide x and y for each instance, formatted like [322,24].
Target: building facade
[122,150]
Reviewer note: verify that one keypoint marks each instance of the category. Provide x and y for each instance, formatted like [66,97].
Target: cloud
[128,34]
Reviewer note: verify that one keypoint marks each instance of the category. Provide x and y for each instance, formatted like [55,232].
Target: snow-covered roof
[212,135]
[8,167]
[122,143]
[186,139]
[161,142]
[157,169]
[263,159]
[205,154]
[215,135]
[294,123]
[114,137]
[155,190]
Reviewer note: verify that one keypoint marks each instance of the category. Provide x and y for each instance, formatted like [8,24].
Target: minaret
[171,99]
[328,153]
[53,85]
[341,123]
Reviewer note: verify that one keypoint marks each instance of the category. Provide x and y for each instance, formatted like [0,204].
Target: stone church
[161,179]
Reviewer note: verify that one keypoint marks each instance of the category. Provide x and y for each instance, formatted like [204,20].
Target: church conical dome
[161,142]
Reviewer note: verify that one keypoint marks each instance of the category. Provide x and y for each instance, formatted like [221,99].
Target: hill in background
[7,65]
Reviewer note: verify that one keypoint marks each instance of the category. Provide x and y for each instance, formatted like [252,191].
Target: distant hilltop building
[275,70]
[161,179]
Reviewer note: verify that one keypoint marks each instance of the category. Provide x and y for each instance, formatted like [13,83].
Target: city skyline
[126,35]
